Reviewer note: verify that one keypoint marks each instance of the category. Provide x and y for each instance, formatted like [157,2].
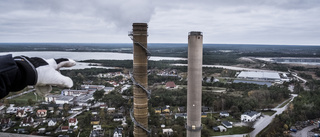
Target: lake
[80,56]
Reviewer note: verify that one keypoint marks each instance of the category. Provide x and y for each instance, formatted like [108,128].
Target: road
[263,122]
[304,132]
[11,97]
[266,120]
[303,80]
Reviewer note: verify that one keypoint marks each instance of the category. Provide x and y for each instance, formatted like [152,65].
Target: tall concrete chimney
[140,66]
[195,44]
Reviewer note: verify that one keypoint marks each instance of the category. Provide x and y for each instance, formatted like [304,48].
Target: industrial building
[259,76]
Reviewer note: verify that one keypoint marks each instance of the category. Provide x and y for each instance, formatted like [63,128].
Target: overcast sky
[108,21]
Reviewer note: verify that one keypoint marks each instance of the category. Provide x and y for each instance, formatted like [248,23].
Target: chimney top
[195,33]
[139,27]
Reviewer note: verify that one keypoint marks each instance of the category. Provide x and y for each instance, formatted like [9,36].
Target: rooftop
[259,74]
[250,113]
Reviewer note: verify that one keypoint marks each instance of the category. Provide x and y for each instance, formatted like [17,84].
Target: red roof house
[170,84]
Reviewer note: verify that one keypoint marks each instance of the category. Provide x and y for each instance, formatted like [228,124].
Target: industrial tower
[195,49]
[139,36]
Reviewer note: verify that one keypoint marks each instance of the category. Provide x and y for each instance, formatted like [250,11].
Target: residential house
[166,109]
[21,113]
[118,117]
[28,109]
[117,132]
[167,131]
[250,116]
[76,109]
[224,114]
[52,122]
[41,130]
[124,87]
[227,124]
[11,109]
[5,122]
[64,128]
[92,87]
[97,131]
[111,110]
[108,90]
[157,110]
[103,106]
[96,127]
[184,115]
[41,113]
[27,121]
[170,85]
[222,128]
[94,112]
[69,92]
[95,120]
[115,84]
[73,122]
[216,129]
[204,115]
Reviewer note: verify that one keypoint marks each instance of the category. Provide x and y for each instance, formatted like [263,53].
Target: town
[244,93]
[96,109]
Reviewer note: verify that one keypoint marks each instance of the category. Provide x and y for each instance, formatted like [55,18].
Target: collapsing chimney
[140,79]
[195,44]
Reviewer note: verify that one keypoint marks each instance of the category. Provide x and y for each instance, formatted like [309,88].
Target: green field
[23,99]
[269,113]
[232,131]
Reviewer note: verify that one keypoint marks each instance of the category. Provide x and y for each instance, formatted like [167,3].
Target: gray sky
[105,21]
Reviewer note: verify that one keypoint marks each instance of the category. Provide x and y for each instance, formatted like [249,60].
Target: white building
[11,109]
[83,100]
[259,76]
[227,124]
[108,89]
[93,87]
[51,98]
[125,87]
[69,92]
[250,116]
[167,131]
[64,100]
[52,122]
[224,114]
[73,122]
[222,128]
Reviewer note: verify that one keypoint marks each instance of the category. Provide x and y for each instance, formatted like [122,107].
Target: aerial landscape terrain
[160,68]
[256,81]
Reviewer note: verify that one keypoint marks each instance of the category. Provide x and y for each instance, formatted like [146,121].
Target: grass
[23,99]
[232,131]
[268,112]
